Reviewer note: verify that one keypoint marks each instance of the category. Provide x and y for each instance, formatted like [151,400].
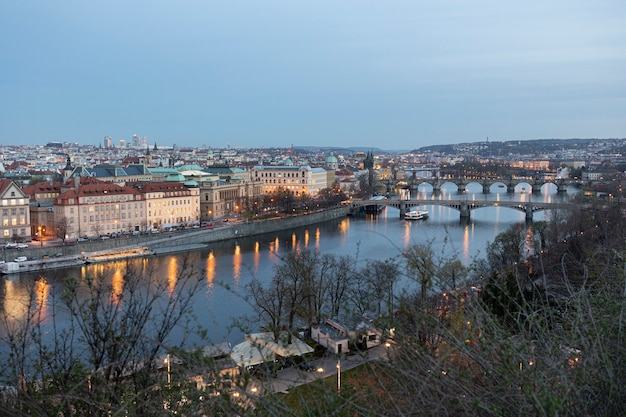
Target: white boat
[416,215]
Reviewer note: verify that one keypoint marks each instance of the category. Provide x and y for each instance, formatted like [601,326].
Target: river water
[227,267]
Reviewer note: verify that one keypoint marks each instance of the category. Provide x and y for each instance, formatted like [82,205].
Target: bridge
[464,206]
[413,182]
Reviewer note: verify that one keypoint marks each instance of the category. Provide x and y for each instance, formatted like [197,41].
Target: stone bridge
[486,183]
[463,206]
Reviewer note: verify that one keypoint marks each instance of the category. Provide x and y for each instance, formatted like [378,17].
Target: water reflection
[117,285]
[237,263]
[172,274]
[16,301]
[42,291]
[210,269]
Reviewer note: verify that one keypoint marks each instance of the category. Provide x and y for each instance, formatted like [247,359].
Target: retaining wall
[222,231]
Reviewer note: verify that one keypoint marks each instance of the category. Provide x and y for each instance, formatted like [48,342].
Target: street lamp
[339,376]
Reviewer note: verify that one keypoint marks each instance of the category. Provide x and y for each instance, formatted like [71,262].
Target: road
[292,377]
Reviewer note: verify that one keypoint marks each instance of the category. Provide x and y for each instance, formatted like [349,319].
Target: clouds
[336,73]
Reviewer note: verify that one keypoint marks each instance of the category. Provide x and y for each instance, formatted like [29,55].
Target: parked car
[265,370]
[10,245]
[22,246]
[20,259]
[307,366]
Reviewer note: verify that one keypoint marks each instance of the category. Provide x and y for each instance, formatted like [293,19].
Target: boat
[117,254]
[416,215]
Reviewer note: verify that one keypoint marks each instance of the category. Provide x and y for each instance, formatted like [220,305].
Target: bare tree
[104,359]
[422,266]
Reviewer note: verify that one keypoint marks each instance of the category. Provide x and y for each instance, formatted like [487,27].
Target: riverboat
[416,215]
[10,268]
[115,255]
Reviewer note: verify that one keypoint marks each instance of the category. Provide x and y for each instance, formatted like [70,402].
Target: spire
[68,164]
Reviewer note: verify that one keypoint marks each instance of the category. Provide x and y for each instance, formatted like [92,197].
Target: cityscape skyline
[399,75]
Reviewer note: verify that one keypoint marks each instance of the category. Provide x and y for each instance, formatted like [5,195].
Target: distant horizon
[165,145]
[394,75]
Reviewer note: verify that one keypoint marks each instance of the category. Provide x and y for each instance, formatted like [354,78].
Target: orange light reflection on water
[43,291]
[257,255]
[466,241]
[237,263]
[407,234]
[172,274]
[306,238]
[117,285]
[210,269]
[15,301]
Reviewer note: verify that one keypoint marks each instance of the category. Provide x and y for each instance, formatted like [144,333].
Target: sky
[394,75]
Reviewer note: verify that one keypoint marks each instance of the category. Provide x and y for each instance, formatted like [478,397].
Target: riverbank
[54,257]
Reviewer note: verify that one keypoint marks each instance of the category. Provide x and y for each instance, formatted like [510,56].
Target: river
[228,266]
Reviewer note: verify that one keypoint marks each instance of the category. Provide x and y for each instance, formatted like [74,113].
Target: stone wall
[222,231]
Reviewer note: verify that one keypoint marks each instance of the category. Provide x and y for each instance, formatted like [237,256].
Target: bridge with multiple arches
[536,183]
[464,206]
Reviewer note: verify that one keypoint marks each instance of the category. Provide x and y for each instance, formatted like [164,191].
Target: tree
[339,286]
[451,273]
[382,277]
[269,303]
[421,265]
[105,359]
[63,227]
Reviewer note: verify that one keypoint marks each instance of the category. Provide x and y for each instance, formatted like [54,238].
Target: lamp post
[40,236]
[339,376]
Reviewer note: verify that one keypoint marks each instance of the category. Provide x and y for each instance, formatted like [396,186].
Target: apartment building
[90,207]
[42,196]
[169,203]
[14,213]
[296,179]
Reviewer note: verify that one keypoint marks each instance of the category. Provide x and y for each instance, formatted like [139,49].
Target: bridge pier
[536,187]
[529,212]
[465,211]
[436,186]
[402,209]
[486,188]
[510,188]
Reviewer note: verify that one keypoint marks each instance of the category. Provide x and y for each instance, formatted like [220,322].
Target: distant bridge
[413,182]
[463,206]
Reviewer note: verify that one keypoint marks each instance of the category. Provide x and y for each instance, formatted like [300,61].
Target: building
[229,197]
[332,336]
[87,206]
[115,174]
[298,180]
[169,204]
[42,196]
[15,213]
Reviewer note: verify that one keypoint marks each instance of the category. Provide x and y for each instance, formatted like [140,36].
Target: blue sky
[392,74]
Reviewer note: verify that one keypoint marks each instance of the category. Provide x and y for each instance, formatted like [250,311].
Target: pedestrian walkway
[293,377]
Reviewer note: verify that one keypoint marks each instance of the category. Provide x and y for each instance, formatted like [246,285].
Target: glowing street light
[339,376]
